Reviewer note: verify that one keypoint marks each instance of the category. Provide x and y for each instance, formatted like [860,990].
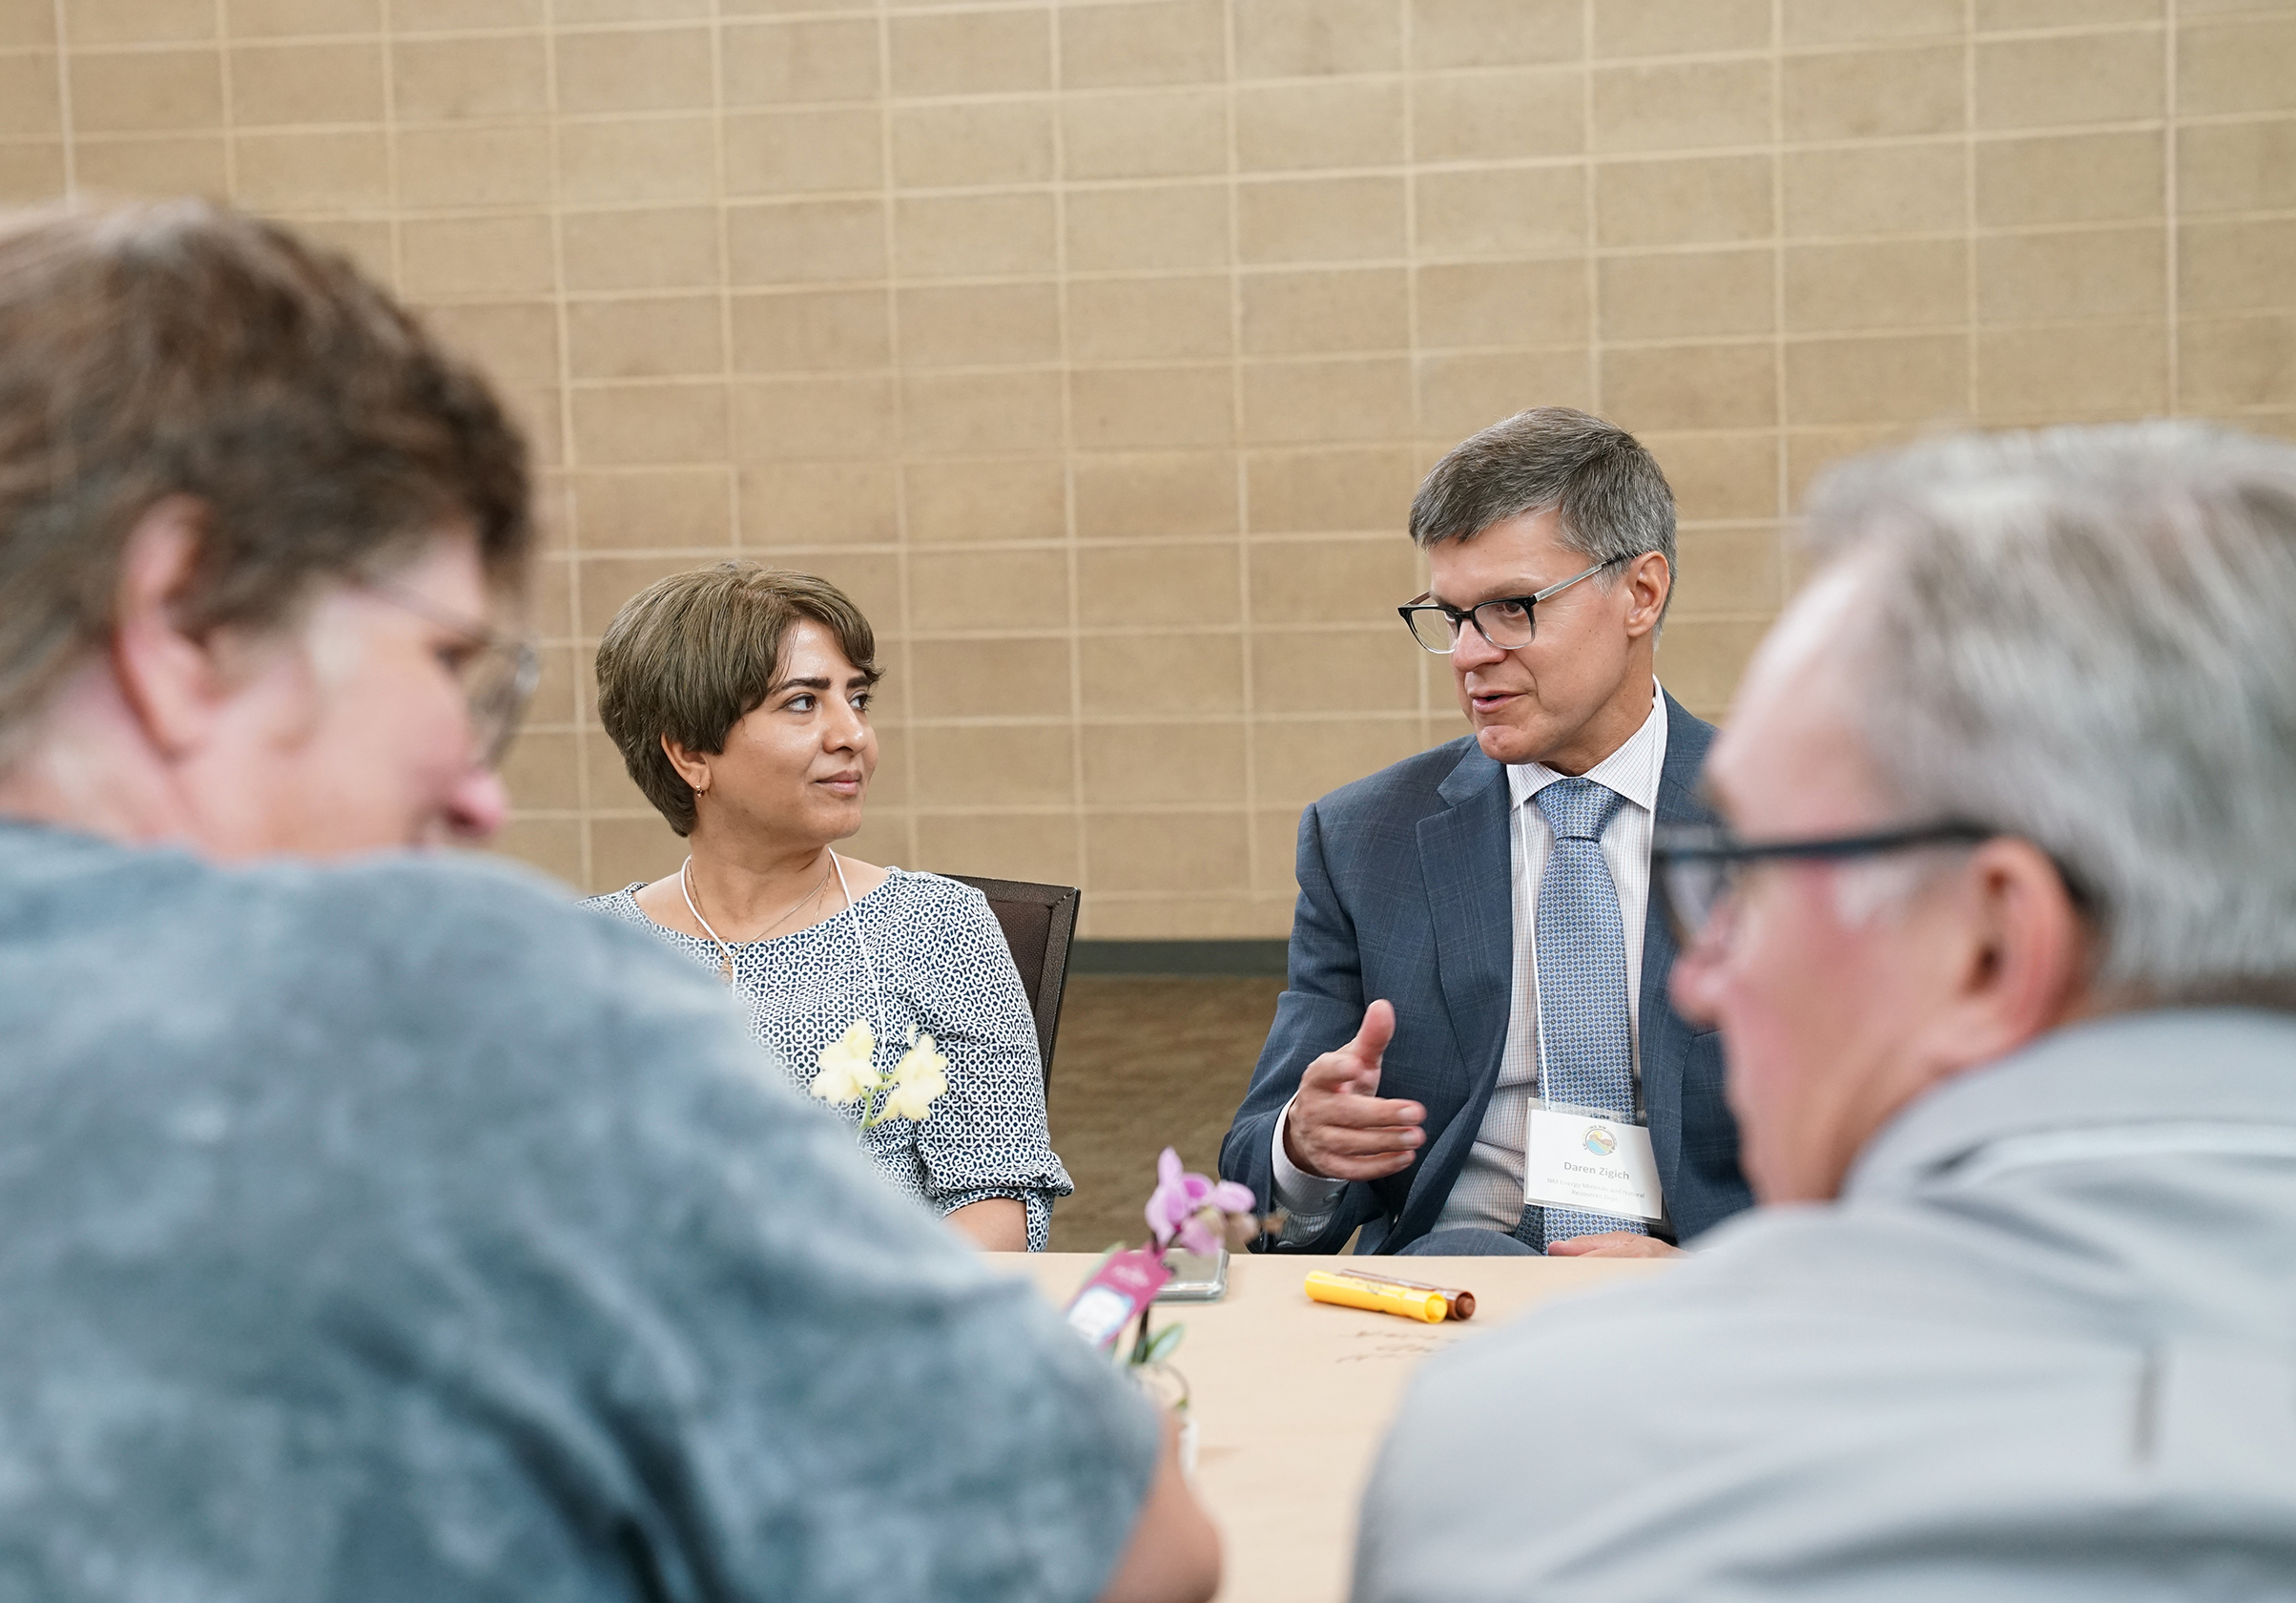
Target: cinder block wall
[1096,346]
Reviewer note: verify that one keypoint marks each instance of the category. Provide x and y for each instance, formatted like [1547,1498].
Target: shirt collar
[1633,770]
[2226,1066]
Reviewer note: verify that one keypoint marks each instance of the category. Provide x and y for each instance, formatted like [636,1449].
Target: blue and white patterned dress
[940,966]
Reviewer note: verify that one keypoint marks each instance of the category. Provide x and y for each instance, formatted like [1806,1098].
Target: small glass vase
[1168,1388]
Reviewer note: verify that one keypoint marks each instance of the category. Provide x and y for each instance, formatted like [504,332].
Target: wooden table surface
[1291,1397]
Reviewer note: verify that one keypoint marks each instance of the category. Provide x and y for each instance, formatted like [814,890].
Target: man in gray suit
[2002,931]
[1474,970]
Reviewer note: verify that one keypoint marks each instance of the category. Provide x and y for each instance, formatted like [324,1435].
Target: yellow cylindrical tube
[1351,1292]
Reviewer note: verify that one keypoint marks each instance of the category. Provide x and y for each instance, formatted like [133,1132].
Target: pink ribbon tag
[1115,1294]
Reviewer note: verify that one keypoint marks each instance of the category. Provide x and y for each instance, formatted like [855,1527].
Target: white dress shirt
[1489,1191]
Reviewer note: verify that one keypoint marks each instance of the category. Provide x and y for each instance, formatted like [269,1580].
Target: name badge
[1591,1163]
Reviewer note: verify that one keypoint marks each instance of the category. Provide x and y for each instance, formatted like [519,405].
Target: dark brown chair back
[1039,922]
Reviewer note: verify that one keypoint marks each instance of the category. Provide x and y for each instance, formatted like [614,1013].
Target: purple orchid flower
[1192,1208]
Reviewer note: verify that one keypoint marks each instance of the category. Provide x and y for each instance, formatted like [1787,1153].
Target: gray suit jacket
[1405,893]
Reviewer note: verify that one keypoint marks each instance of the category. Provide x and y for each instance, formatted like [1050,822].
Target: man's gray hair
[2087,638]
[1612,499]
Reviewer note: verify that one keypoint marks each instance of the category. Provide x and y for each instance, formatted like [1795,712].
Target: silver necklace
[725,966]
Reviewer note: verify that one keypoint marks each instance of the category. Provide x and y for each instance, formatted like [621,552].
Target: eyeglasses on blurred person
[497,674]
[379,1225]
[1697,870]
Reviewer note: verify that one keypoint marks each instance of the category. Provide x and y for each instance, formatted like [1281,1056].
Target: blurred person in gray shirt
[374,1224]
[2000,933]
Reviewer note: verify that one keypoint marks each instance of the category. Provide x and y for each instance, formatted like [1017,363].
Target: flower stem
[1140,1341]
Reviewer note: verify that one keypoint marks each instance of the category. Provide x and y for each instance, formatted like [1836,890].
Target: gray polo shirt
[401,1232]
[2044,1348]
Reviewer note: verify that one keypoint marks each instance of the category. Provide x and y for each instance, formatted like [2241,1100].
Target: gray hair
[1613,501]
[2083,636]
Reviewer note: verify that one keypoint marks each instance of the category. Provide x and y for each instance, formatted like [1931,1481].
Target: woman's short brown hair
[184,348]
[690,656]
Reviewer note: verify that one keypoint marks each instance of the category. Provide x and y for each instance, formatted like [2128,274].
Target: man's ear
[2024,966]
[1649,580]
[689,764]
[176,683]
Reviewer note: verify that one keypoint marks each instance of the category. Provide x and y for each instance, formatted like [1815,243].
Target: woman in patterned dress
[739,698]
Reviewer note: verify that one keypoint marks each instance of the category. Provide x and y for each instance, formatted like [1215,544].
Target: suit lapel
[1665,1037]
[1465,861]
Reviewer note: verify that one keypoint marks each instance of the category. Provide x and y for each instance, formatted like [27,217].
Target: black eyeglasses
[1506,621]
[1696,870]
[498,677]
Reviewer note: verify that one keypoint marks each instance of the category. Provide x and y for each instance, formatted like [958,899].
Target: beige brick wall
[1096,346]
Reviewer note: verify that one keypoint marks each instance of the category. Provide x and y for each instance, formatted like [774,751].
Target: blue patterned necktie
[1586,1052]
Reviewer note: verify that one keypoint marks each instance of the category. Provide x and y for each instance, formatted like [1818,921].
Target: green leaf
[1165,1343]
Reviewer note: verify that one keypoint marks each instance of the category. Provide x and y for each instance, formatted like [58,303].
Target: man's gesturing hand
[1340,1127]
